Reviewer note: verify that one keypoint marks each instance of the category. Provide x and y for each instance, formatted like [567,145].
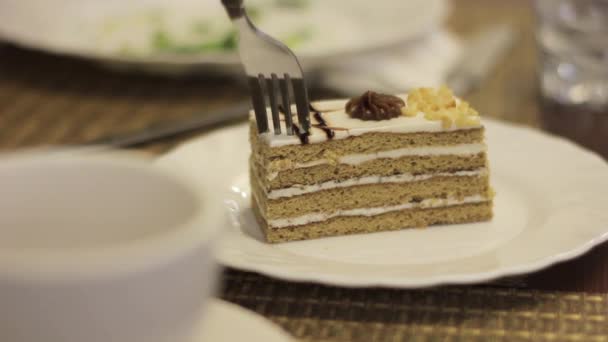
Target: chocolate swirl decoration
[321,123]
[374,106]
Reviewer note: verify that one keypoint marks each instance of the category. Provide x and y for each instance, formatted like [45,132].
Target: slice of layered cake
[373,163]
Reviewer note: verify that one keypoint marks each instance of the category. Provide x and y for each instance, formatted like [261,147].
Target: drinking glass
[573,45]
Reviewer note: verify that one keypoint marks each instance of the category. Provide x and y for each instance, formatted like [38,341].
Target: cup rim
[158,248]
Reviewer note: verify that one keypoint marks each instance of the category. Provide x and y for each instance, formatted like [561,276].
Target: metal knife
[158,132]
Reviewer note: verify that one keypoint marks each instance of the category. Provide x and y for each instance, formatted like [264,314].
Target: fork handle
[234,8]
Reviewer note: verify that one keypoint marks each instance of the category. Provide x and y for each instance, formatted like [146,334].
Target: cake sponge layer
[272,158]
[384,222]
[377,167]
[371,195]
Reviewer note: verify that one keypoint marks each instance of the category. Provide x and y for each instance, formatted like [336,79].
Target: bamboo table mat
[465,313]
[48,100]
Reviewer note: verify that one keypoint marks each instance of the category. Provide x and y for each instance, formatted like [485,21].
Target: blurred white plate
[221,318]
[550,206]
[118,33]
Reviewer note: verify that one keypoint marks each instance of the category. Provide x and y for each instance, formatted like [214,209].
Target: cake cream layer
[356,159]
[380,167]
[300,189]
[374,144]
[392,220]
[333,116]
[370,195]
[373,211]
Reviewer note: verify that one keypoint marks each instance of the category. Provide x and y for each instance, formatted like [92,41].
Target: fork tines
[274,87]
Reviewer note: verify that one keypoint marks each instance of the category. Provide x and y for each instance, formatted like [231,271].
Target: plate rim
[400,282]
[240,313]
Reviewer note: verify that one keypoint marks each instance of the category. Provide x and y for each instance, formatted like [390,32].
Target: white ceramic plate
[222,317]
[103,30]
[551,205]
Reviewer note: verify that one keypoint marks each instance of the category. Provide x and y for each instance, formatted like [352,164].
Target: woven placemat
[465,313]
[46,100]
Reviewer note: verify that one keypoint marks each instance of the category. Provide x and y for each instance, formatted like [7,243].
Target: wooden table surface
[48,100]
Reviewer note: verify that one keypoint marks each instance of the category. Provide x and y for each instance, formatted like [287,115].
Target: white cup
[101,248]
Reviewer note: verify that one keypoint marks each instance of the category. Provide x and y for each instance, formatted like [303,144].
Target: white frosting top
[336,118]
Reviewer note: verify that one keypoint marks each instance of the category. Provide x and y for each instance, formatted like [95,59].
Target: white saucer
[224,321]
[551,205]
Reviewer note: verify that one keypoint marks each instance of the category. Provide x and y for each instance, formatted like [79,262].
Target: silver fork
[270,66]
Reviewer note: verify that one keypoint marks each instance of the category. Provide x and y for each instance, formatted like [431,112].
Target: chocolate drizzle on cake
[321,124]
[303,136]
[374,106]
